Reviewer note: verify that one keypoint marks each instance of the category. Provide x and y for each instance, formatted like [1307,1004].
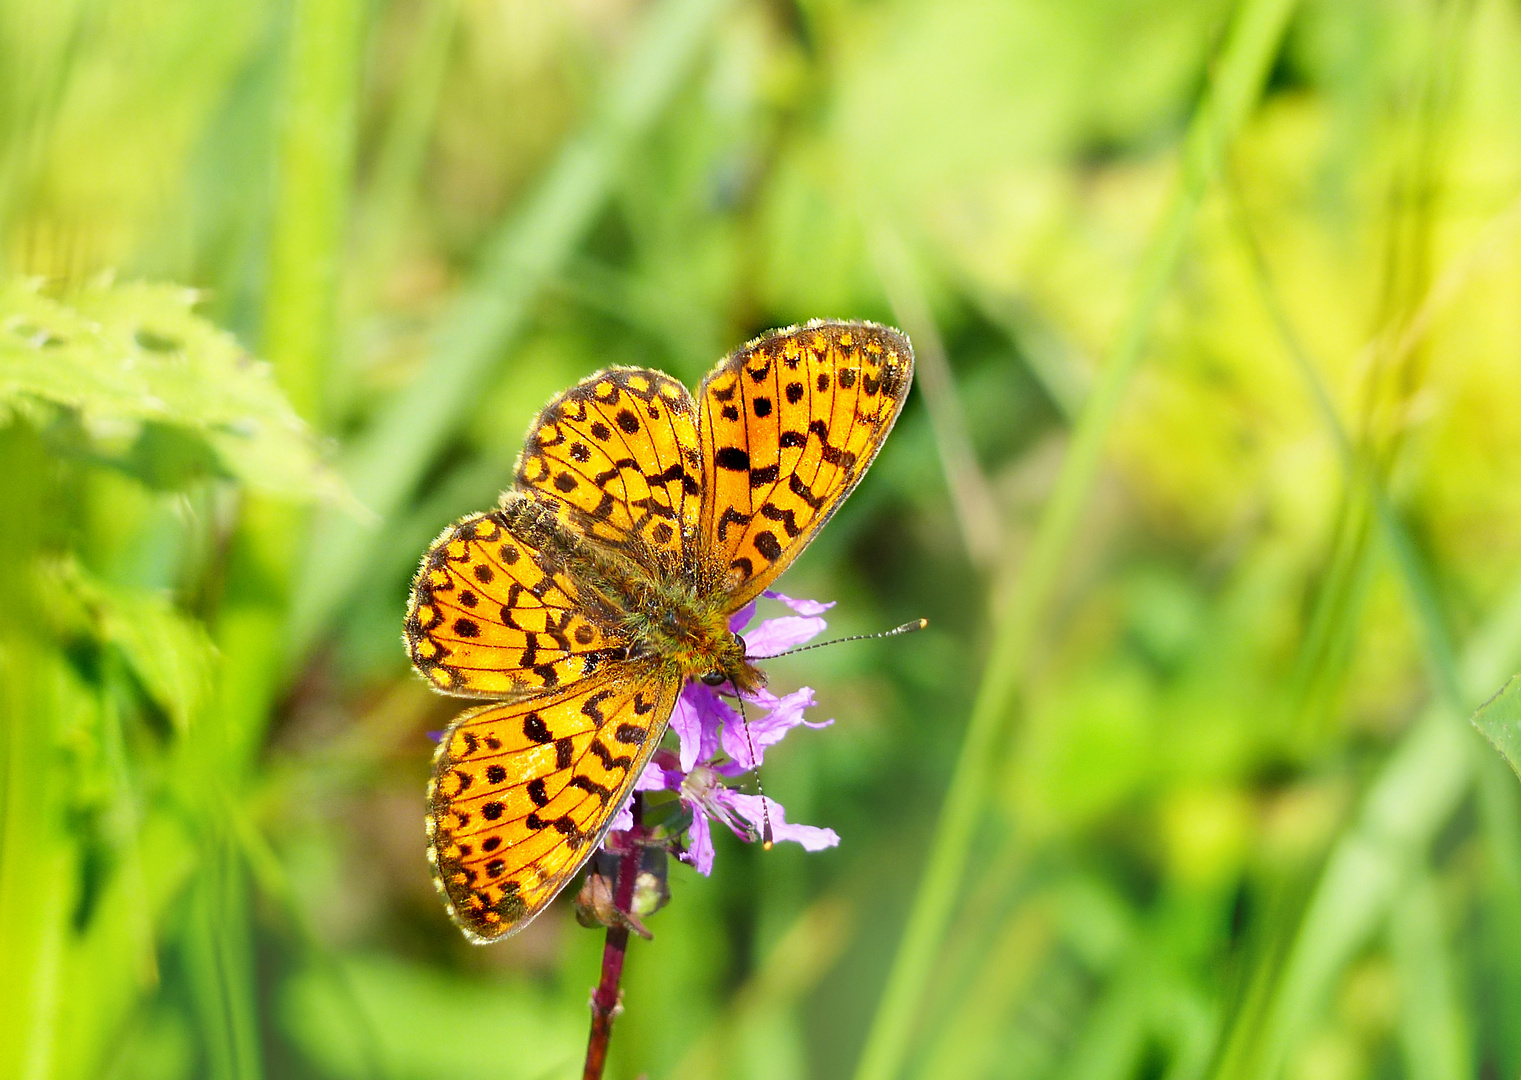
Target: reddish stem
[605,998]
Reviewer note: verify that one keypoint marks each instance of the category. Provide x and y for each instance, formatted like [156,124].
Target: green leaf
[131,361]
[1499,719]
[168,652]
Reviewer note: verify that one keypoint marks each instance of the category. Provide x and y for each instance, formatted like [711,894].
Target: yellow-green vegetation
[1210,487]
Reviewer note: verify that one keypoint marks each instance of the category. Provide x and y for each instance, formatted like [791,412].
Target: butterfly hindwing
[523,792]
[788,426]
[617,455]
[494,614]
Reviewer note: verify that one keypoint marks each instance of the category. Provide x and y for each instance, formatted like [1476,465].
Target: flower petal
[778,635]
[688,728]
[700,854]
[663,773]
[785,714]
[730,769]
[698,719]
[802,607]
[714,713]
[781,715]
[623,820]
[734,746]
[741,618]
[812,837]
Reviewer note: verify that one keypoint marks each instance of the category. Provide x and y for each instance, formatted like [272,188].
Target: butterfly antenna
[906,628]
[766,837]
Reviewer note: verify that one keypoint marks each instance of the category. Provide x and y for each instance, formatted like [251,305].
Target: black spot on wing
[732,458]
[766,543]
[590,786]
[763,476]
[731,516]
[535,730]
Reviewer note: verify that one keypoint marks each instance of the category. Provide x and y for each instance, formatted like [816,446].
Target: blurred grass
[1212,503]
[387,460]
[1244,62]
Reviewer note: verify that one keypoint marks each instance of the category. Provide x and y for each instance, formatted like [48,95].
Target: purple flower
[705,794]
[705,723]
[778,635]
[713,747]
[702,791]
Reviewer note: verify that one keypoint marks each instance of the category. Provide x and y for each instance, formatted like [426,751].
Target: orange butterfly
[605,580]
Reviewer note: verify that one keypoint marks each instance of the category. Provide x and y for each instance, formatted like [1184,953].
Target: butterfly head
[732,666]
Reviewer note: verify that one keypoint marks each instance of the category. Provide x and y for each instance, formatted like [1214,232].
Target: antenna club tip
[923,623]
[765,845]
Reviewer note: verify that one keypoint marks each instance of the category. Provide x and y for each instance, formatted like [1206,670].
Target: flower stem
[605,1002]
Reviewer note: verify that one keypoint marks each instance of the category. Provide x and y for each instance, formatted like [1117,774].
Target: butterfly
[604,580]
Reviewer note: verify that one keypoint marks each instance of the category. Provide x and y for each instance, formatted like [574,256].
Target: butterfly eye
[715,678]
[741,643]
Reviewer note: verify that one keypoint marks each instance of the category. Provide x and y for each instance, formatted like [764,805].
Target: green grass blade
[35,864]
[37,860]
[968,1043]
[1365,880]
[971,496]
[314,181]
[1243,66]
[1499,935]
[793,966]
[1441,654]
[1412,797]
[404,147]
[40,55]
[1432,1030]
[219,959]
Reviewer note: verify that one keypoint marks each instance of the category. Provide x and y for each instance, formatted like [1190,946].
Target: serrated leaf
[169,652]
[125,359]
[1499,720]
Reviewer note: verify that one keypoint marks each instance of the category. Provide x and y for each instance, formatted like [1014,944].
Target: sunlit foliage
[282,283]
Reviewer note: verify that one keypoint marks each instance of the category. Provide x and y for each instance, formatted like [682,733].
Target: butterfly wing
[788,426]
[495,614]
[523,792]
[617,456]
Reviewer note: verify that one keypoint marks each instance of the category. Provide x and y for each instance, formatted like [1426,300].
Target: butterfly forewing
[788,425]
[617,454]
[523,792]
[494,614]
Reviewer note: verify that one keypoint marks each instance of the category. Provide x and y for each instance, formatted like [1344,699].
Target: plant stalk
[606,998]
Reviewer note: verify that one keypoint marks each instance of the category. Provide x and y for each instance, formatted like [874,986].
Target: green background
[1210,487]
